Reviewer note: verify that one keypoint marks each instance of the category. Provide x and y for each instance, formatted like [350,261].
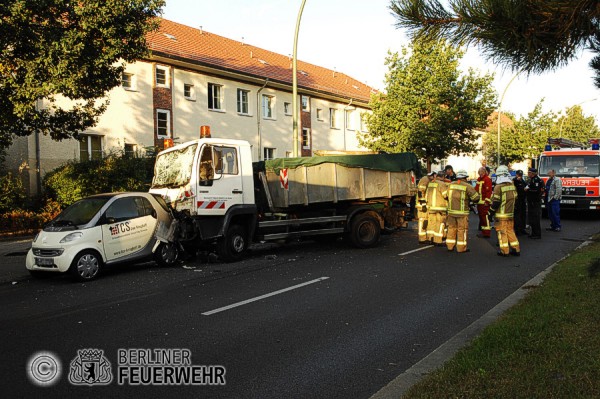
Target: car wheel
[233,245]
[86,265]
[167,254]
[365,231]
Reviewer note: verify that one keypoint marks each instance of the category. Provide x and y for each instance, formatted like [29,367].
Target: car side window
[144,206]
[123,209]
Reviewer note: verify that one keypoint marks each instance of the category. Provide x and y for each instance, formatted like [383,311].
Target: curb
[398,386]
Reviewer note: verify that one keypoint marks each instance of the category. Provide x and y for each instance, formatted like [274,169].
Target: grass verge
[547,346]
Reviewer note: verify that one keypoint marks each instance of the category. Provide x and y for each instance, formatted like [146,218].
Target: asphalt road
[324,320]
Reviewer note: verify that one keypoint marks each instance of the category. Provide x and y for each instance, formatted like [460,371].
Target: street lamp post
[500,113]
[295,82]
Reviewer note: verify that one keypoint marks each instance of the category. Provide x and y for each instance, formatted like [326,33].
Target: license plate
[567,201]
[44,261]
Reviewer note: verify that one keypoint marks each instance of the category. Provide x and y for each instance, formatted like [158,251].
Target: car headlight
[595,203]
[71,237]
[36,236]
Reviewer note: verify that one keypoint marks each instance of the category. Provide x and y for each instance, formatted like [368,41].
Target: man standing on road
[535,192]
[436,209]
[520,205]
[484,188]
[459,194]
[422,207]
[553,196]
[503,205]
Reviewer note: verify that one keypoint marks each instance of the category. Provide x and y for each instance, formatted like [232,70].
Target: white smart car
[101,230]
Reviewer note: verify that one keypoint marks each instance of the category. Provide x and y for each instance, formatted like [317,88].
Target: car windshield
[174,168]
[571,165]
[80,213]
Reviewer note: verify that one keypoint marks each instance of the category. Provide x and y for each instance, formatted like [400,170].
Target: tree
[576,126]
[75,49]
[529,35]
[428,107]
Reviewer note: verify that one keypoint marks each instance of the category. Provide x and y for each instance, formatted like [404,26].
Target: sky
[354,37]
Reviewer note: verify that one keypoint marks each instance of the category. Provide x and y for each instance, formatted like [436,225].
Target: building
[195,78]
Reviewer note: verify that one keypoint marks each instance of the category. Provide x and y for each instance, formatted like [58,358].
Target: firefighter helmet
[502,171]
[462,174]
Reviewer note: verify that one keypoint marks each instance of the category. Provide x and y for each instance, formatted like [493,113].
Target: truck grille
[47,252]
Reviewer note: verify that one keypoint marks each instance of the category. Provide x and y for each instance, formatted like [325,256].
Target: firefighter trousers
[436,227]
[422,216]
[458,229]
[484,220]
[507,238]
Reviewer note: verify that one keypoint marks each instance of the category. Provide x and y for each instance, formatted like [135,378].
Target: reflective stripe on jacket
[459,195]
[435,196]
[504,199]
[422,187]
[484,188]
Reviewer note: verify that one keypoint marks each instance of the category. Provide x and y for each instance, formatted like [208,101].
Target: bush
[12,192]
[115,173]
[18,221]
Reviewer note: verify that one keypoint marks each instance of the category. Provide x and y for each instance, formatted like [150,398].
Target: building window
[162,76]
[363,122]
[242,101]
[287,108]
[319,114]
[128,81]
[305,138]
[90,147]
[350,120]
[268,153]
[163,123]
[188,92]
[305,103]
[215,97]
[334,118]
[267,105]
[130,150]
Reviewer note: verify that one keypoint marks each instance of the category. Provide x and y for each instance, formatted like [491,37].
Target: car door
[129,225]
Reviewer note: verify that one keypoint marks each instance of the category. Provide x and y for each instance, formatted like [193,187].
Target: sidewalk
[12,259]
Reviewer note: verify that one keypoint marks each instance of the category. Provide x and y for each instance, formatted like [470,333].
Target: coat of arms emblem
[90,367]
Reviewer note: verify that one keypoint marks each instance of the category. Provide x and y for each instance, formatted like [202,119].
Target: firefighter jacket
[422,188]
[484,188]
[459,194]
[535,190]
[436,191]
[503,200]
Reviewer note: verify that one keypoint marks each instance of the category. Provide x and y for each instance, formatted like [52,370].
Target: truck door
[219,180]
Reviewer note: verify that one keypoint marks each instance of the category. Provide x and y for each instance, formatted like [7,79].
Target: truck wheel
[233,245]
[86,265]
[364,231]
[166,254]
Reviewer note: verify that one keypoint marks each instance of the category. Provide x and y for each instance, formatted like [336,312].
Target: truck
[578,166]
[223,200]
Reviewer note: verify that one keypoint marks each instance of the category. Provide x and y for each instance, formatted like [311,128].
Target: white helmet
[462,174]
[502,171]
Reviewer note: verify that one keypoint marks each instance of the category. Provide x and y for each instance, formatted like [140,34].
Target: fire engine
[578,166]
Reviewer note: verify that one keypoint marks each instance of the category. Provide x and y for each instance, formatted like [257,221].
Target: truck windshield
[571,165]
[174,168]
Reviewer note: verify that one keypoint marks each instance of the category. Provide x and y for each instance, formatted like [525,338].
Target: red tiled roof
[177,40]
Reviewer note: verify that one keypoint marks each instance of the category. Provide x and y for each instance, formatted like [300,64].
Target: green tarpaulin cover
[402,162]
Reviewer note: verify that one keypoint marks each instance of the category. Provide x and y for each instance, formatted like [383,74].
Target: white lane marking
[258,298]
[416,250]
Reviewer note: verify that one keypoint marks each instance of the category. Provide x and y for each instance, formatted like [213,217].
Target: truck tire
[364,231]
[233,245]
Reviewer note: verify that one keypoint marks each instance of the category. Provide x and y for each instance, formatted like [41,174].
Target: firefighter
[459,193]
[422,207]
[484,188]
[436,210]
[521,204]
[534,192]
[503,206]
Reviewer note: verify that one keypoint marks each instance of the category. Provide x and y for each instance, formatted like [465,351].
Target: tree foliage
[76,49]
[428,107]
[529,35]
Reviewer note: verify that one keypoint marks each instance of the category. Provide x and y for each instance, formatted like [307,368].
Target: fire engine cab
[578,166]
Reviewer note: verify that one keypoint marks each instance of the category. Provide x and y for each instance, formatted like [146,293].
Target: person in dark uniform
[450,175]
[534,192]
[521,204]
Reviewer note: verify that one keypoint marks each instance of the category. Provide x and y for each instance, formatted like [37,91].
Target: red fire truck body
[579,169]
